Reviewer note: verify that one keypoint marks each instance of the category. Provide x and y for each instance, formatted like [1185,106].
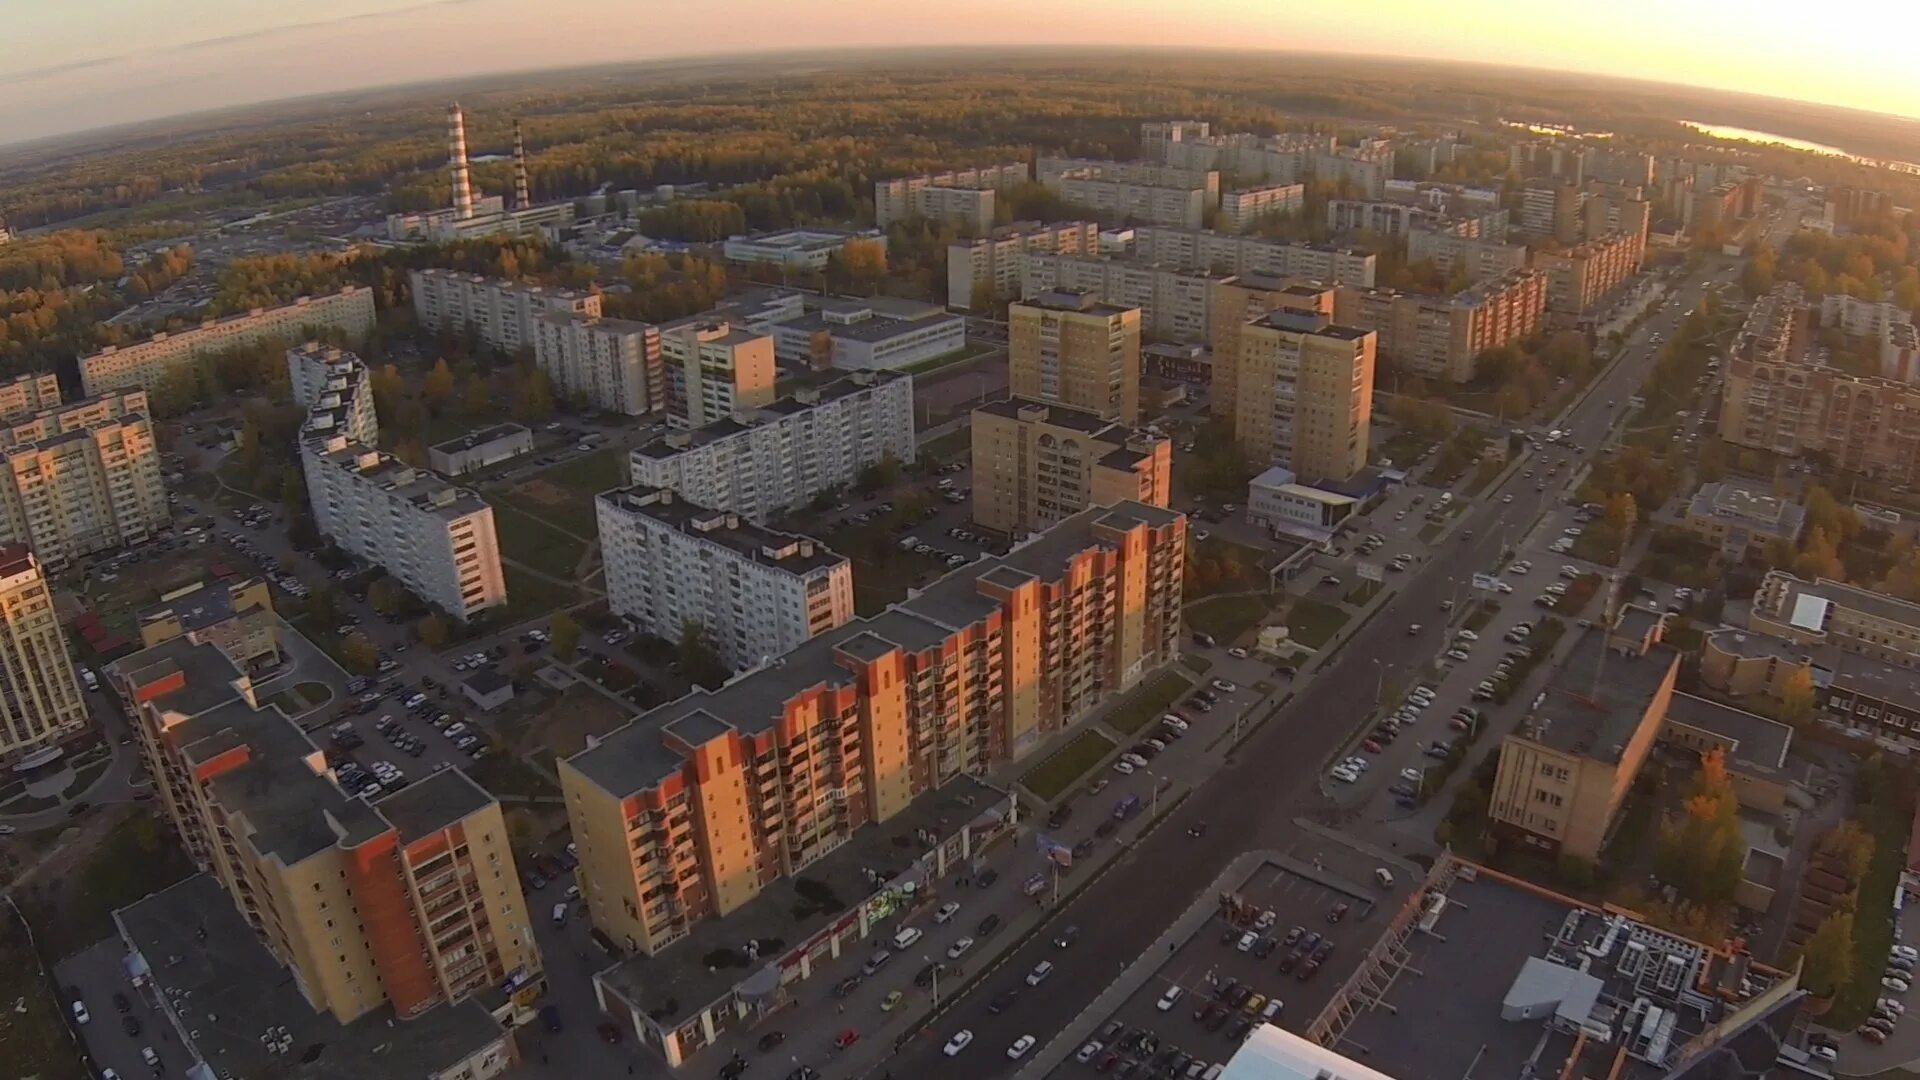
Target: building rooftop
[1748,507]
[790,552]
[1085,301]
[249,1019]
[856,383]
[1597,699]
[433,803]
[209,604]
[208,675]
[477,438]
[1840,594]
[505,284]
[1759,744]
[427,491]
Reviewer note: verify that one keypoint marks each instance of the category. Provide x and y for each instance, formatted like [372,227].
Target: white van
[559,914]
[1383,877]
[906,937]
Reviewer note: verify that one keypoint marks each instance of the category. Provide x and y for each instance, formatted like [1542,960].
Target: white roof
[1272,1053]
[1809,612]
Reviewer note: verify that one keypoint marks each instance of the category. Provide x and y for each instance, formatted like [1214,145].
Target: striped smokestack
[521,197]
[457,162]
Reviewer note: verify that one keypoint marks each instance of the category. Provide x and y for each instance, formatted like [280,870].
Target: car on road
[1334,915]
[947,911]
[845,1039]
[1039,973]
[959,948]
[960,1041]
[1065,938]
[1223,686]
[1003,1000]
[771,1040]
[1089,1051]
[1167,999]
[1247,941]
[80,1014]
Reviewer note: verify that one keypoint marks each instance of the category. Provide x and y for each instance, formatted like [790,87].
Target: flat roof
[232,993]
[1750,507]
[1598,698]
[790,552]
[1759,744]
[432,803]
[209,674]
[669,446]
[484,435]
[487,680]
[1839,593]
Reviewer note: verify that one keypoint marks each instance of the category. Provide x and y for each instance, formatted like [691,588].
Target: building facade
[28,393]
[806,250]
[989,266]
[1069,348]
[775,459]
[1237,301]
[1442,337]
[146,363]
[722,368]
[1240,209]
[757,593]
[1305,398]
[1740,522]
[81,478]
[963,197]
[1175,305]
[1389,219]
[477,450]
[1581,279]
[614,365]
[1037,464]
[1226,253]
[1478,259]
[500,313]
[42,706]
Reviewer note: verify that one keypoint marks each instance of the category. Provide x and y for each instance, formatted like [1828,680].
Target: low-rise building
[877,333]
[1827,612]
[1861,695]
[501,313]
[610,364]
[756,593]
[775,459]
[479,449]
[1741,521]
[1036,464]
[807,250]
[236,615]
[487,689]
[1278,503]
[1240,209]
[43,706]
[147,363]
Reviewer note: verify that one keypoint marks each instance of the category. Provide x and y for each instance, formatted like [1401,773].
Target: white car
[1411,775]
[1344,774]
[960,1041]
[1124,768]
[1167,999]
[1134,760]
[1467,635]
[1506,498]
[1247,941]
[947,911]
[1020,1047]
[1907,951]
[1456,654]
[959,948]
[1086,1052]
[1898,986]
[80,1015]
[1175,722]
[1224,686]
[1237,653]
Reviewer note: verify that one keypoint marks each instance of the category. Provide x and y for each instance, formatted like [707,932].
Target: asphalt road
[1255,797]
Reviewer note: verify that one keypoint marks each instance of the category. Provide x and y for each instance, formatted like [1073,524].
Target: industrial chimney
[457,162]
[521,198]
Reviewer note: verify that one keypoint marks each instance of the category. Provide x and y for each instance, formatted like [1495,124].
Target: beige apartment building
[1238,301]
[145,363]
[962,197]
[408,899]
[724,368]
[692,810]
[1069,348]
[1036,464]
[614,365]
[42,706]
[237,616]
[500,313]
[1478,259]
[1442,337]
[1175,304]
[1581,279]
[1240,209]
[28,393]
[1305,398]
[1230,253]
[81,477]
[991,265]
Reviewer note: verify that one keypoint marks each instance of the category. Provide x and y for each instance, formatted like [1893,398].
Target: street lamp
[934,965]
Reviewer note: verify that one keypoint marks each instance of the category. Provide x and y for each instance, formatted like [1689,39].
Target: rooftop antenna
[1609,613]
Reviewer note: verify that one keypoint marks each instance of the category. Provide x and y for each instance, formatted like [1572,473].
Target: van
[1446,498]
[906,937]
[1383,877]
[877,961]
[560,914]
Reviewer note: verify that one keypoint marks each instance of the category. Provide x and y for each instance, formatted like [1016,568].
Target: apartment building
[1741,521]
[1363,169]
[963,197]
[1305,395]
[1389,219]
[145,363]
[81,477]
[1068,347]
[332,385]
[1174,305]
[1617,166]
[690,811]
[1133,192]
[43,706]
[1238,301]
[1478,259]
[775,459]
[614,365]
[1553,212]
[757,593]
[1724,204]
[1225,253]
[436,539]
[988,267]
[235,615]
[804,250]
[405,901]
[1615,208]
[1888,327]
[1442,337]
[1157,135]
[722,368]
[1583,278]
[1240,209]
[1145,174]
[1035,464]
[500,313]
[28,393]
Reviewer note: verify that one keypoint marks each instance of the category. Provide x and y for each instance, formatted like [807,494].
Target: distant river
[1723,131]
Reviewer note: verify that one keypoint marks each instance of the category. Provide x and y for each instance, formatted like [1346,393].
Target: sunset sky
[76,64]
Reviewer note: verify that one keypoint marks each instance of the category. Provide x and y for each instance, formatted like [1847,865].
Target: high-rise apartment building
[1175,305]
[758,594]
[81,477]
[145,363]
[1226,253]
[963,197]
[772,460]
[1553,211]
[1157,135]
[28,394]
[1581,279]
[42,705]
[1287,158]
[1240,209]
[693,809]
[332,385]
[990,266]
[1442,337]
[1069,348]
[408,899]
[723,368]
[1388,219]
[1036,464]
[614,365]
[1478,259]
[1133,192]
[503,314]
[1238,301]
[1305,398]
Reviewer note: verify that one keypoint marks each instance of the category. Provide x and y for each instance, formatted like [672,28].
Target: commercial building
[613,365]
[1451,253]
[1240,209]
[1583,278]
[478,449]
[1277,502]
[1131,192]
[963,197]
[392,905]
[1305,395]
[721,368]
[694,809]
[500,313]
[81,477]
[775,459]
[1853,620]
[1067,347]
[1741,522]
[1226,253]
[436,539]
[987,269]
[1389,219]
[28,393]
[1442,337]
[808,250]
[146,363]
[873,334]
[1174,305]
[758,594]
[235,615]
[43,706]
[1857,694]
[1036,464]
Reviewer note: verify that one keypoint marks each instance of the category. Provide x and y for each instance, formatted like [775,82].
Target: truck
[1126,808]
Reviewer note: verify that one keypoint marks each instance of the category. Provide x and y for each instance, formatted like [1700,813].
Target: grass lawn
[1065,766]
[33,1034]
[530,597]
[1600,545]
[1226,617]
[530,542]
[1313,623]
[592,474]
[1578,594]
[1211,556]
[1148,701]
[551,505]
[301,697]
[136,858]
[563,726]
[1199,665]
[1364,592]
[1405,448]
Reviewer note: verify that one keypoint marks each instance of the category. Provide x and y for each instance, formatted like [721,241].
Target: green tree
[880,475]
[386,596]
[433,630]
[566,634]
[358,654]
[1827,959]
[699,659]
[1701,852]
[1796,698]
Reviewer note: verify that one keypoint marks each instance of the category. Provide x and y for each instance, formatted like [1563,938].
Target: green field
[1065,766]
[1313,623]
[532,543]
[1149,700]
[592,474]
[1226,617]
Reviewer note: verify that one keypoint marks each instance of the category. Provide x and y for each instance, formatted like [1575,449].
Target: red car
[845,1039]
[1371,746]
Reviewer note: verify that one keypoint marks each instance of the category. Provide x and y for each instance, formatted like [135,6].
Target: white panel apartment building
[503,313]
[759,594]
[963,196]
[614,364]
[332,385]
[1175,305]
[81,477]
[775,459]
[992,262]
[1478,259]
[1227,253]
[436,539]
[1240,209]
[145,363]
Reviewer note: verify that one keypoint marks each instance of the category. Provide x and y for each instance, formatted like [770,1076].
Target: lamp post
[935,966]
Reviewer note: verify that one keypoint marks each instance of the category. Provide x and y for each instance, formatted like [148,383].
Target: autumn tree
[565,633]
[699,658]
[438,386]
[1701,852]
[1819,558]
[433,631]
[1622,512]
[358,654]
[1852,846]
[1796,698]
[1827,958]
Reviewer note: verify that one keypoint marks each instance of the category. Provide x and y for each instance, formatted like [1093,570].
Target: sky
[72,65]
